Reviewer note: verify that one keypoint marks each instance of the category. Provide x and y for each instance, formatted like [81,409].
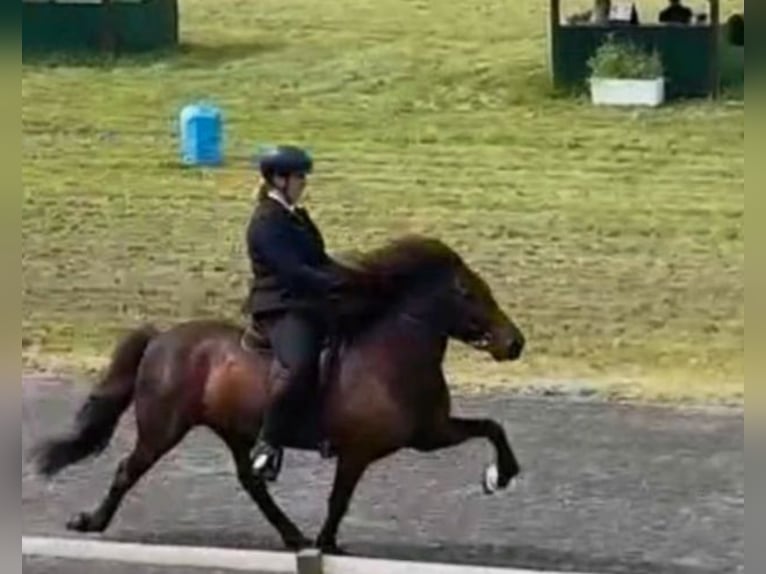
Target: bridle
[481,343]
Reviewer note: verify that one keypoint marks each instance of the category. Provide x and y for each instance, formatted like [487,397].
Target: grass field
[615,238]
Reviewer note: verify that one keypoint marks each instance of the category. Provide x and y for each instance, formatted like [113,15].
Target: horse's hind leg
[157,435]
[240,450]
[453,431]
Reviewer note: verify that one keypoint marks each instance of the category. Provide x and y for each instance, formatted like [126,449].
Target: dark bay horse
[385,389]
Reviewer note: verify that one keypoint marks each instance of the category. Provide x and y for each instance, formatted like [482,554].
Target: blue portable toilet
[201,135]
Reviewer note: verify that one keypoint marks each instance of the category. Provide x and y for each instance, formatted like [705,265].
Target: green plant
[624,60]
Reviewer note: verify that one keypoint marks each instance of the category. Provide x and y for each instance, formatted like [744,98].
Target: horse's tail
[97,418]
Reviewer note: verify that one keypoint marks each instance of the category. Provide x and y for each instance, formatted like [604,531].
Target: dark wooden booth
[690,53]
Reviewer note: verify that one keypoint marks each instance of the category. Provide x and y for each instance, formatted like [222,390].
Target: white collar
[276,196]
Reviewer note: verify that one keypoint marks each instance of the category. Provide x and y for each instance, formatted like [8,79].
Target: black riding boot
[266,456]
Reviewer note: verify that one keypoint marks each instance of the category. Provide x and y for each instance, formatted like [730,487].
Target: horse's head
[426,270]
[478,320]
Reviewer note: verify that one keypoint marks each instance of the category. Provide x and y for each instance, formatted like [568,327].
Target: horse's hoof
[494,479]
[83,522]
[491,480]
[335,551]
[298,542]
[331,548]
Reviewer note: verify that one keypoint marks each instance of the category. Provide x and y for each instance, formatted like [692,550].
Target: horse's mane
[406,259]
[387,274]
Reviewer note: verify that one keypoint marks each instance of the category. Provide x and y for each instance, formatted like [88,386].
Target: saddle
[254,340]
[301,427]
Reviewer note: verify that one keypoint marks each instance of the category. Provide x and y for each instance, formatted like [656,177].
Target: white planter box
[611,92]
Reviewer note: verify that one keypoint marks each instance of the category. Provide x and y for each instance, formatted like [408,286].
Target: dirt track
[606,488]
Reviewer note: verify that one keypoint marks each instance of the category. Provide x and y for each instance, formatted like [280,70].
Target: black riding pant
[297,338]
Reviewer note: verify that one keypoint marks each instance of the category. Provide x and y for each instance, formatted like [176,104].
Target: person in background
[676,13]
[735,28]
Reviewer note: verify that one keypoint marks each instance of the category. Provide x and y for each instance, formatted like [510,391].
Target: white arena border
[308,562]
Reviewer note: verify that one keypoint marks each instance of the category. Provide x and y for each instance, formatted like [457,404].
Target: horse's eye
[462,290]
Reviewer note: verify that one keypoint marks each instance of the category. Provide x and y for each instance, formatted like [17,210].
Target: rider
[294,279]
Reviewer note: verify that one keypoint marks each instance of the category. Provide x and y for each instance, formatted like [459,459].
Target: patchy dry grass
[615,238]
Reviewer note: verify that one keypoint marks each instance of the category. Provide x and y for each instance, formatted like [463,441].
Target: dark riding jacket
[287,255]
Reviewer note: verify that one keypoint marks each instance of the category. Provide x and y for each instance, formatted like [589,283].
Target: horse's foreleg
[348,472]
[454,431]
[256,488]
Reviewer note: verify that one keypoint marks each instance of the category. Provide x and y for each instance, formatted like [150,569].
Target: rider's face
[294,187]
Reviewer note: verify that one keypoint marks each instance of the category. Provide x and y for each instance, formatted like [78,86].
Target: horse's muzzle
[506,349]
[515,349]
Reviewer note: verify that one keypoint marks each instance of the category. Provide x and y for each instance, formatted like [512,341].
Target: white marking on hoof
[514,484]
[491,478]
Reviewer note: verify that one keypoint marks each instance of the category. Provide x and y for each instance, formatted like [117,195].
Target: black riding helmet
[284,160]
